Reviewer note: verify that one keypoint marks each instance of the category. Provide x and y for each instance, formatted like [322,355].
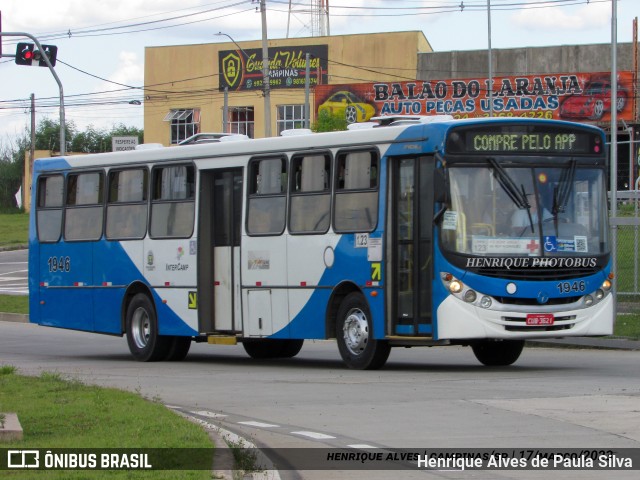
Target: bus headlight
[469,296]
[588,300]
[606,285]
[455,286]
[485,302]
[599,294]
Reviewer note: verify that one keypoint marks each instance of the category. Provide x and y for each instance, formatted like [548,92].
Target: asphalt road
[423,398]
[14,272]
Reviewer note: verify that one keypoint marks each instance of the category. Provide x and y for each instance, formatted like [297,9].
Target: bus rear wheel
[260,348]
[145,344]
[178,348]
[497,353]
[354,333]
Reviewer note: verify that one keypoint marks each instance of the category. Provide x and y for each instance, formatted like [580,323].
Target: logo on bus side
[150,259]
[258,260]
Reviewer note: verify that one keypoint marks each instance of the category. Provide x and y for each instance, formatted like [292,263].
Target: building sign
[120,144]
[242,69]
[566,96]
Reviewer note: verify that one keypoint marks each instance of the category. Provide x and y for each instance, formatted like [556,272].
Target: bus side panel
[170,267]
[118,265]
[66,293]
[264,267]
[34,266]
[115,269]
[309,256]
[350,265]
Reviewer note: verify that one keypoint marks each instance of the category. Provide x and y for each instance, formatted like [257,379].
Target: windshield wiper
[561,195]
[561,192]
[518,197]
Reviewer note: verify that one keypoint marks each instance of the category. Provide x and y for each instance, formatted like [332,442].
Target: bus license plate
[540,319]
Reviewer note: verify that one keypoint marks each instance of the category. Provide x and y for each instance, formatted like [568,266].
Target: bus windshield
[526,210]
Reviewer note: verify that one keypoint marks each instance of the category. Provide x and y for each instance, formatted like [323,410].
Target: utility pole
[265,71]
[32,150]
[613,147]
[490,60]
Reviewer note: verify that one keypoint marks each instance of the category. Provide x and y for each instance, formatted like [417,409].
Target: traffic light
[24,53]
[27,54]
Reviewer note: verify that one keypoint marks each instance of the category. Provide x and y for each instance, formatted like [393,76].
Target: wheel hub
[140,327]
[356,332]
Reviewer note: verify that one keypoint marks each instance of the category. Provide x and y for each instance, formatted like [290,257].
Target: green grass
[14,229]
[56,412]
[14,304]
[628,325]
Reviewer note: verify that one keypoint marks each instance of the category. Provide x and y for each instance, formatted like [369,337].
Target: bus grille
[534,301]
[539,275]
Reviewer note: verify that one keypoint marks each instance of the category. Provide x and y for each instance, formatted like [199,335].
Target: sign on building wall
[566,96]
[242,69]
[120,144]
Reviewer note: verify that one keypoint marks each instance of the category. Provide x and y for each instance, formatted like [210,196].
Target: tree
[48,134]
[98,141]
[329,123]
[10,176]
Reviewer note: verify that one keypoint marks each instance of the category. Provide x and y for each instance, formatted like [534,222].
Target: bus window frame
[188,200]
[45,208]
[253,196]
[312,193]
[337,190]
[76,206]
[108,203]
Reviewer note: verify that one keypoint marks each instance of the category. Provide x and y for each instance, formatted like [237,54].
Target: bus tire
[261,348]
[145,344]
[178,348]
[497,353]
[290,348]
[354,334]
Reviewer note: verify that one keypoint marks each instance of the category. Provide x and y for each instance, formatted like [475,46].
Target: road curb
[14,317]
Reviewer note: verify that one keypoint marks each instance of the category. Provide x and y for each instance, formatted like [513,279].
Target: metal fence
[626,248]
[625,227]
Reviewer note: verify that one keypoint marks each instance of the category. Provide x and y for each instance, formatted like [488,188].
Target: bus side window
[173,202]
[49,208]
[309,211]
[356,201]
[127,204]
[84,210]
[267,196]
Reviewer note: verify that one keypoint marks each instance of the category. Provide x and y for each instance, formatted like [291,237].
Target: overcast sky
[102,41]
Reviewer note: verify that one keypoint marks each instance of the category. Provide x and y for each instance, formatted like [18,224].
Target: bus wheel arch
[357,344]
[337,296]
[132,290]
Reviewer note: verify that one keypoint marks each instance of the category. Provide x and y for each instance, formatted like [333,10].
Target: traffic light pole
[55,75]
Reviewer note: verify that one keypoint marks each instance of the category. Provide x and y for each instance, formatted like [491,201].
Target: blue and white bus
[483,232]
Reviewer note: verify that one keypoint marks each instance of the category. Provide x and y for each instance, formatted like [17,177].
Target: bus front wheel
[354,333]
[498,353]
[145,344]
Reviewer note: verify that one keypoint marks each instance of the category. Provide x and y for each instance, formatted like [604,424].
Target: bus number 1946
[568,287]
[61,264]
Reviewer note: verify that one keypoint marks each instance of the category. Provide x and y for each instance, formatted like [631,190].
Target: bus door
[412,231]
[219,304]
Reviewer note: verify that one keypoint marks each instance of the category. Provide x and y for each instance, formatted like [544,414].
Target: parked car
[353,108]
[594,101]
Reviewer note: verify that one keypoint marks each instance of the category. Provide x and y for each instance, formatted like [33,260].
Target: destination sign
[497,140]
